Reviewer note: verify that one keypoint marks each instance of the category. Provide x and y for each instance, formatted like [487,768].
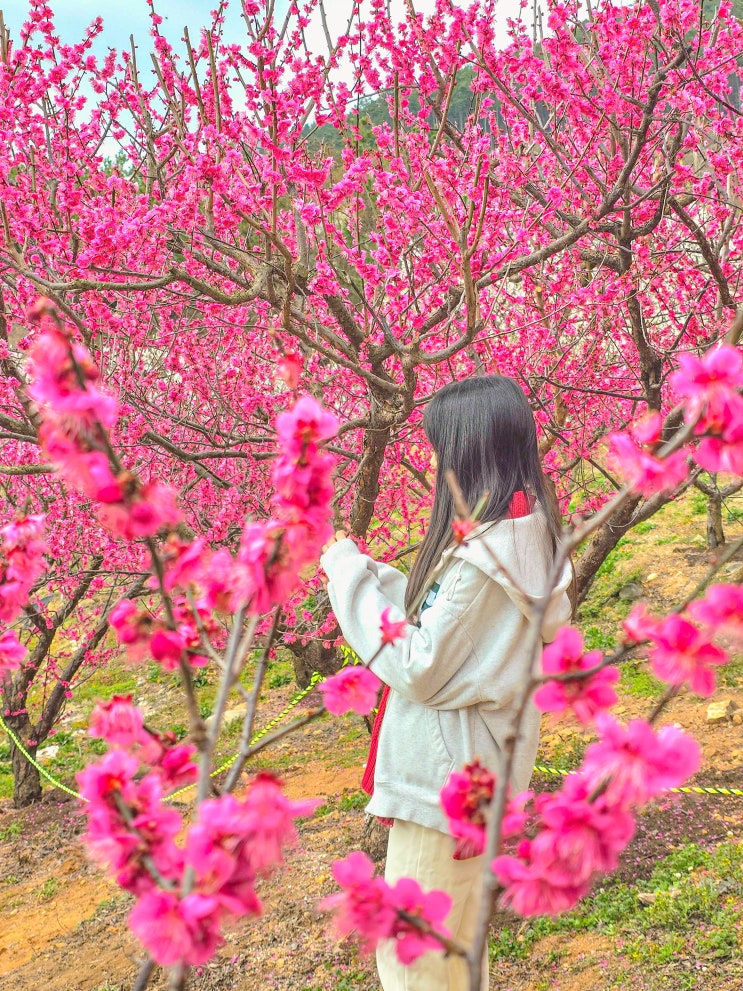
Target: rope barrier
[687,790]
[34,763]
[314,681]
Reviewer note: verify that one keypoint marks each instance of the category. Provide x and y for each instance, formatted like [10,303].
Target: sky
[122,18]
[126,17]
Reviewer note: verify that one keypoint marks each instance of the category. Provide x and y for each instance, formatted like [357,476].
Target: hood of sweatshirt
[517,554]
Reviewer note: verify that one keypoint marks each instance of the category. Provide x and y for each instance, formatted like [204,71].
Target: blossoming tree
[578,229]
[185,893]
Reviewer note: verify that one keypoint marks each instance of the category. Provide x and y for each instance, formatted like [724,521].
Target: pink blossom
[270,573]
[430,907]
[305,426]
[353,689]
[303,491]
[118,722]
[516,817]
[528,892]
[465,798]
[55,383]
[88,471]
[112,774]
[643,471]
[392,629]
[722,454]
[290,368]
[185,563]
[578,834]
[177,768]
[21,563]
[177,930]
[709,384]
[233,841]
[639,625]
[585,696]
[167,647]
[40,307]
[129,828]
[365,906]
[23,533]
[217,849]
[13,596]
[269,821]
[133,628]
[142,513]
[461,529]
[721,607]
[634,763]
[219,582]
[682,653]
[12,651]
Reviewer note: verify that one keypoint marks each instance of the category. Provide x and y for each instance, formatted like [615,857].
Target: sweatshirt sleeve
[420,666]
[344,555]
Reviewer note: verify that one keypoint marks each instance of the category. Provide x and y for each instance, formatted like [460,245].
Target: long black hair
[483,430]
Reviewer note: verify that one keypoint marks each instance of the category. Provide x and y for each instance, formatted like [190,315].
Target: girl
[456,678]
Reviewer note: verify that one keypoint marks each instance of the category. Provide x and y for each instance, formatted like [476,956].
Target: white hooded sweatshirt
[457,678]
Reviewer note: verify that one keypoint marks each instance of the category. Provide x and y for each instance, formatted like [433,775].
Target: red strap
[367,781]
[519,506]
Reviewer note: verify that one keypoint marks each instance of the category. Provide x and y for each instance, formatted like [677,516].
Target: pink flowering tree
[185,889]
[269,221]
[274,208]
[413,204]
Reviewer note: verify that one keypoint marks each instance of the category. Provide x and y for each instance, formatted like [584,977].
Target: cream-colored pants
[426,855]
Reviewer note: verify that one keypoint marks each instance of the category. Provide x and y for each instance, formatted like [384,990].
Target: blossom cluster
[710,387]
[271,554]
[466,798]
[580,830]
[21,562]
[681,645]
[584,694]
[710,390]
[133,833]
[376,910]
[355,688]
[75,417]
[562,841]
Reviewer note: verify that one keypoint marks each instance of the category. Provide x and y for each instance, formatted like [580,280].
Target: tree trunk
[603,541]
[376,439]
[312,656]
[26,779]
[374,839]
[715,532]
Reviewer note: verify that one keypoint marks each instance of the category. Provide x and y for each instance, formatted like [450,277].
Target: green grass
[636,680]
[594,638]
[731,675]
[621,552]
[353,801]
[697,502]
[49,889]
[569,753]
[10,831]
[277,679]
[647,526]
[695,916]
